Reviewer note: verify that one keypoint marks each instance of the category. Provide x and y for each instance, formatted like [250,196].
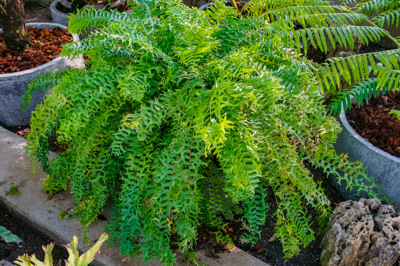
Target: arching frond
[320,20]
[358,67]
[291,11]
[362,91]
[376,5]
[391,17]
[343,35]
[257,7]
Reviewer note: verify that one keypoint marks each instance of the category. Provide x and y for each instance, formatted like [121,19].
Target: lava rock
[364,232]
[5,263]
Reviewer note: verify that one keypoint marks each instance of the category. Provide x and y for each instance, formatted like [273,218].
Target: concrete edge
[62,231]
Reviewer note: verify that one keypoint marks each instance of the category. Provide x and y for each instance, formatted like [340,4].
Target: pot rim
[368,145]
[29,71]
[114,4]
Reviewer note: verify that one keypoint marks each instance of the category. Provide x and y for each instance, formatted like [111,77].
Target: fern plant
[315,23]
[182,115]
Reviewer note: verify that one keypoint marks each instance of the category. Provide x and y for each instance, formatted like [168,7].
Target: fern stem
[386,34]
[234,4]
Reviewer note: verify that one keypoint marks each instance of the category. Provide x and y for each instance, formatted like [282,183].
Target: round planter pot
[381,165]
[14,85]
[58,16]
[62,18]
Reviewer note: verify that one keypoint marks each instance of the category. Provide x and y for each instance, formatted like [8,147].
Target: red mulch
[45,47]
[373,122]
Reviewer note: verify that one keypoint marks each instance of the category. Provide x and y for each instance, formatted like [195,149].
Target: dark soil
[45,46]
[373,122]
[31,240]
[268,248]
[37,12]
[270,251]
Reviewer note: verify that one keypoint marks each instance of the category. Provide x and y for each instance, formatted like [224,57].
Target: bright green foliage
[302,23]
[7,236]
[13,190]
[73,260]
[396,113]
[182,115]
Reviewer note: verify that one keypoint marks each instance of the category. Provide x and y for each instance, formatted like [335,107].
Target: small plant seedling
[13,190]
[39,42]
[64,213]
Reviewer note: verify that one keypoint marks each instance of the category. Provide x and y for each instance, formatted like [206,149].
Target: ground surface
[268,249]
[31,240]
[37,12]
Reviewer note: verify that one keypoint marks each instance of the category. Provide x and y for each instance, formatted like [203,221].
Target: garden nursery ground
[269,249]
[208,136]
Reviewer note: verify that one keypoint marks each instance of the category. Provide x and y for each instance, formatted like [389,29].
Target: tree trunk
[12,15]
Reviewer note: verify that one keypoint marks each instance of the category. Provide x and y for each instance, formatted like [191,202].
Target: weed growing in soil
[182,115]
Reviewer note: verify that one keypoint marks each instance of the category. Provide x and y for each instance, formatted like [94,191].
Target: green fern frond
[292,11]
[258,7]
[391,17]
[376,5]
[396,113]
[343,35]
[358,67]
[86,20]
[362,91]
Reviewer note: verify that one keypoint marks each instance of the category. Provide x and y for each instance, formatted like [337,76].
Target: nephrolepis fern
[183,114]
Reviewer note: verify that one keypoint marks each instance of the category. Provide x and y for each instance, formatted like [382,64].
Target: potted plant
[172,102]
[311,25]
[26,52]
[61,9]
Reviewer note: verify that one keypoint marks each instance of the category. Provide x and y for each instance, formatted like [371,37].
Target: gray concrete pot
[62,18]
[381,165]
[14,85]
[58,16]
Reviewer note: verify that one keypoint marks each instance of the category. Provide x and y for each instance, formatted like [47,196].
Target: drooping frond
[343,35]
[376,5]
[320,20]
[362,91]
[356,68]
[258,7]
[391,17]
[291,11]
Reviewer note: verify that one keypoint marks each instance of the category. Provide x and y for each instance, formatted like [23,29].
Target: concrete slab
[41,210]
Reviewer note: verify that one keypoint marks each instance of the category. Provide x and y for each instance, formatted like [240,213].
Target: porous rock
[5,263]
[363,232]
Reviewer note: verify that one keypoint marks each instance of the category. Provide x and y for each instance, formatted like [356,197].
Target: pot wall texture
[381,165]
[14,85]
